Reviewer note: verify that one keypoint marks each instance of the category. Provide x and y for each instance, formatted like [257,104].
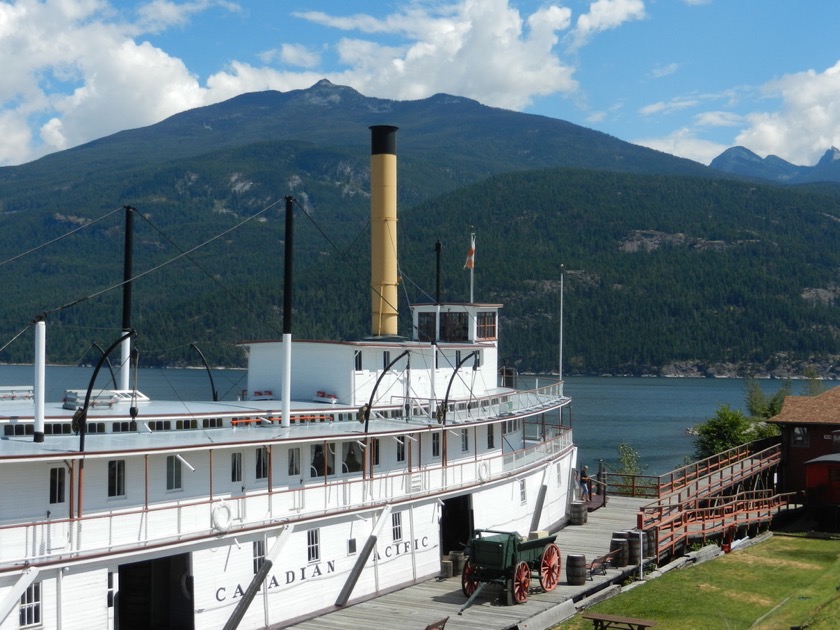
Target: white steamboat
[349,469]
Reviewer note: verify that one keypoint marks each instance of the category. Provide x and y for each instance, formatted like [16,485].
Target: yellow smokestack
[383,237]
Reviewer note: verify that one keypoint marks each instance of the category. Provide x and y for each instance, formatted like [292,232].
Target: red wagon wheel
[521,582]
[550,567]
[469,581]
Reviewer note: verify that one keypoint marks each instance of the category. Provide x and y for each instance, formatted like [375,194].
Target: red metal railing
[696,501]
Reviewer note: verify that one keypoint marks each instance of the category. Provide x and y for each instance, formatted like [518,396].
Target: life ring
[221,517]
[483,471]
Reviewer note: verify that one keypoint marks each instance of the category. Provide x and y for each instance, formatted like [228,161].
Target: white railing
[495,405]
[57,539]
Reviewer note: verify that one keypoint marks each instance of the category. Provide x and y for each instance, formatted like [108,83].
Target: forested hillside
[658,271]
[670,268]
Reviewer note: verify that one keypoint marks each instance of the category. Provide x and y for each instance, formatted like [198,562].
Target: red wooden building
[810,427]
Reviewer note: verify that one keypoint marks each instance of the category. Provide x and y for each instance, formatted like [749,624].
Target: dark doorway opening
[156,595]
[456,523]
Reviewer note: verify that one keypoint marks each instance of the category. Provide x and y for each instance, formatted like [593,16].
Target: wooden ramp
[418,606]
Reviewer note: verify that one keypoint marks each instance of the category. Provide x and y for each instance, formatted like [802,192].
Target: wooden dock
[418,606]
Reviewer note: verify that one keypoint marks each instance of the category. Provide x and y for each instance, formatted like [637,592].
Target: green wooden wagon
[502,558]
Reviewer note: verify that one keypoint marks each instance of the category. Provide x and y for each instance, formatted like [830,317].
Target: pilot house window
[486,326]
[426,326]
[453,326]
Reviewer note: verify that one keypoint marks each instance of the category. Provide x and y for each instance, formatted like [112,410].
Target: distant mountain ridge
[742,162]
[443,126]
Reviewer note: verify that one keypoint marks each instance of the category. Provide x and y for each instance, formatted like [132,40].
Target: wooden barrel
[633,549]
[622,534]
[458,559]
[578,514]
[576,569]
[619,544]
[446,568]
[650,535]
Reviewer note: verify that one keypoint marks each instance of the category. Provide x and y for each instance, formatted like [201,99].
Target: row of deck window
[351,461]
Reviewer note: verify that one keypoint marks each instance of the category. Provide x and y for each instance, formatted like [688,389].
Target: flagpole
[560,367]
[472,266]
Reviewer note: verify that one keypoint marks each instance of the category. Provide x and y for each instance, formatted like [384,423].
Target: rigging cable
[184,254]
[58,238]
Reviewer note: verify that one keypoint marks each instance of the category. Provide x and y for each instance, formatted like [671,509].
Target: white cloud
[82,69]
[807,124]
[78,74]
[718,119]
[479,49]
[158,15]
[663,71]
[684,143]
[606,15]
[666,107]
[292,55]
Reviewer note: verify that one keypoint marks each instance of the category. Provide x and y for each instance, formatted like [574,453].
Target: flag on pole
[470,263]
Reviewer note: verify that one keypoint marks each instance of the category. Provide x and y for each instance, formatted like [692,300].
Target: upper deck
[165,425]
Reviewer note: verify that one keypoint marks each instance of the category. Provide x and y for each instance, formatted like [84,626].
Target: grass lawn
[784,582]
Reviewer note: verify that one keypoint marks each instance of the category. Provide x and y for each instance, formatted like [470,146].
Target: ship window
[111,590]
[375,444]
[400,449]
[465,440]
[313,545]
[259,555]
[396,526]
[386,359]
[453,326]
[116,478]
[30,606]
[351,457]
[57,428]
[212,423]
[435,444]
[486,326]
[799,436]
[294,462]
[236,467]
[262,463]
[57,485]
[321,460]
[559,471]
[173,473]
[351,547]
[426,327]
[523,497]
[357,358]
[491,436]
[95,427]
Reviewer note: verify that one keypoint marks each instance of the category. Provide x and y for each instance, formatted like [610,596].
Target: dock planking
[417,606]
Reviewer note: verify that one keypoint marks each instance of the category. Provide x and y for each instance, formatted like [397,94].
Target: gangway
[729,493]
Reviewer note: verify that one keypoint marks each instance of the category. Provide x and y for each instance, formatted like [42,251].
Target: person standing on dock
[584,484]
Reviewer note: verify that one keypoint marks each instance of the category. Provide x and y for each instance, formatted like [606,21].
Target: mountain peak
[744,163]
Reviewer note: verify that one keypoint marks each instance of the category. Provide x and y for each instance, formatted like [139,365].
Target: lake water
[652,415]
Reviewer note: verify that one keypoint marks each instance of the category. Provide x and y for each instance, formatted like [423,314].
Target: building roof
[822,409]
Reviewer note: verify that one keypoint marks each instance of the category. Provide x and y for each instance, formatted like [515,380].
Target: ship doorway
[456,523]
[155,595]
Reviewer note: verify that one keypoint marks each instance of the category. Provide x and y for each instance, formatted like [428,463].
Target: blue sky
[688,77]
